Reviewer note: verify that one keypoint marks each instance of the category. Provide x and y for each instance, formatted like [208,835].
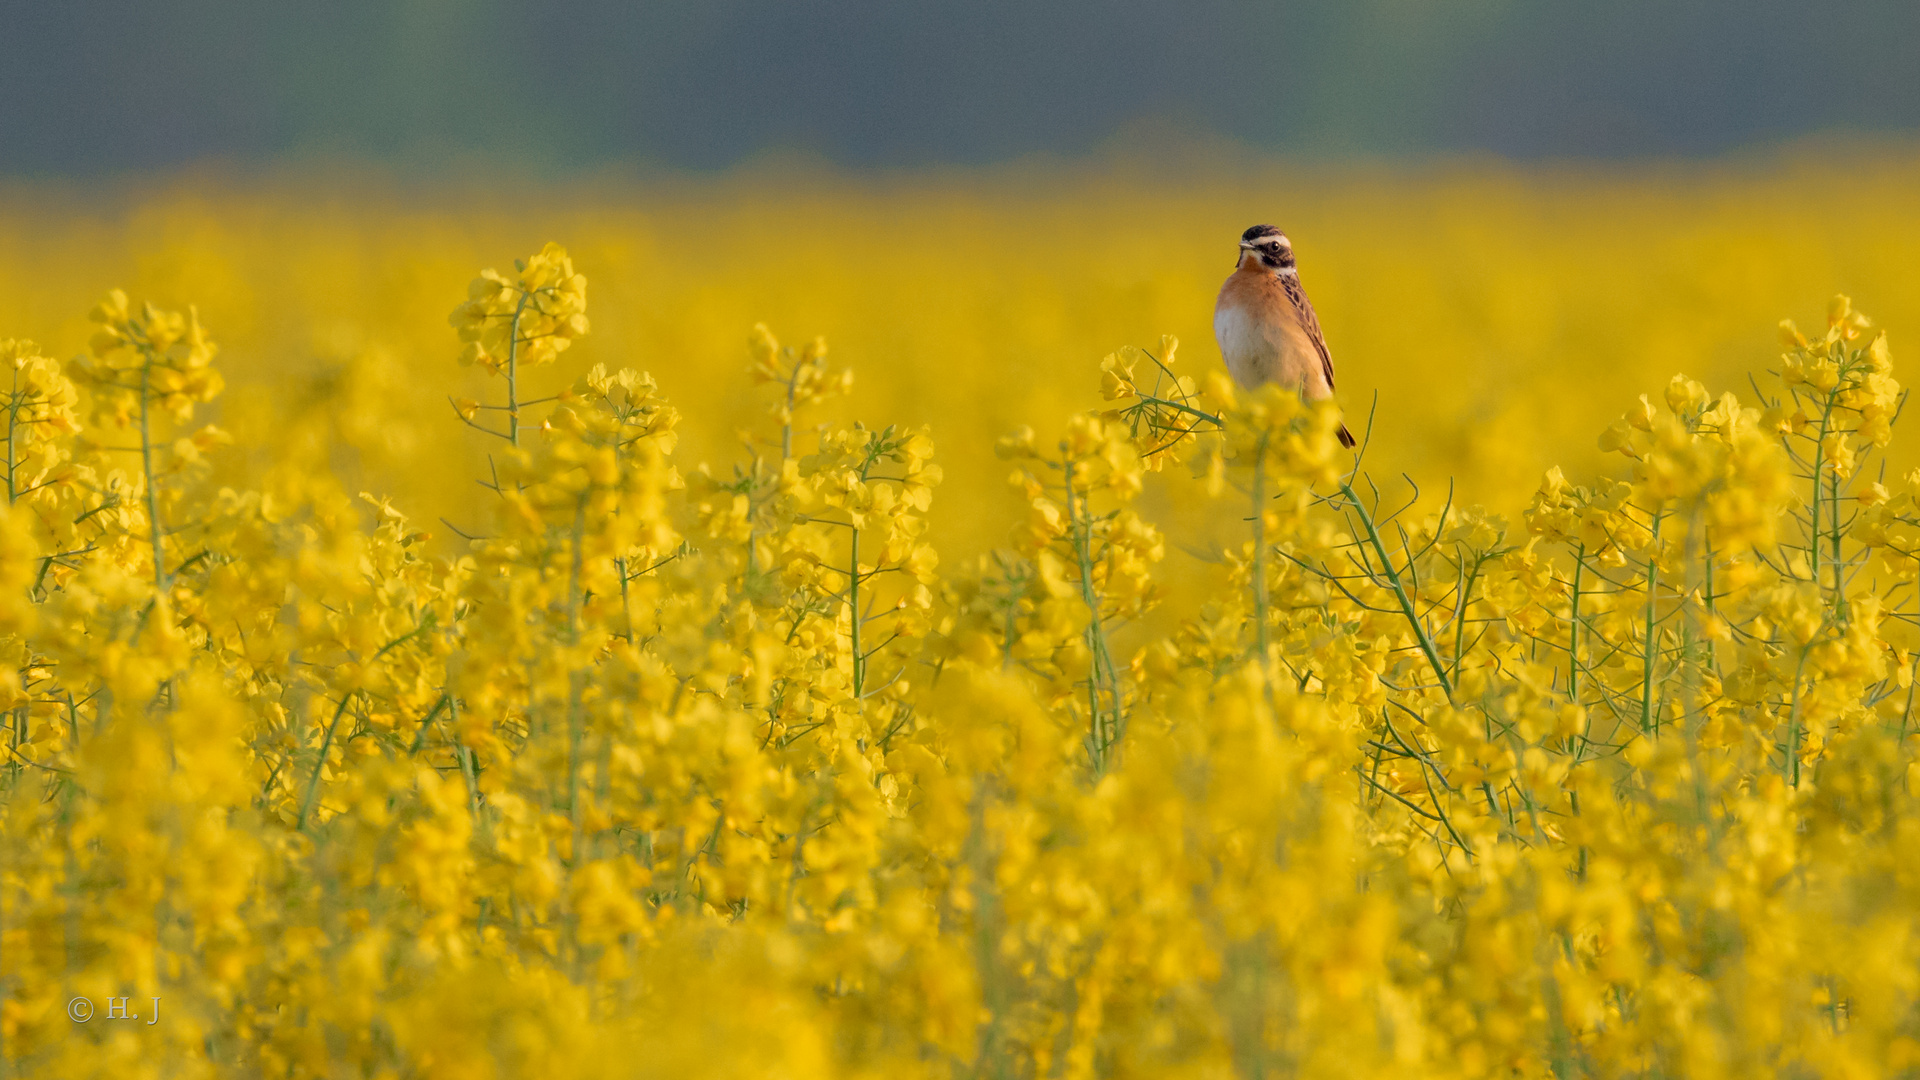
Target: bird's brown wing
[1303,310]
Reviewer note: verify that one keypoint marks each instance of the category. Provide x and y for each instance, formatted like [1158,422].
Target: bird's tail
[1345,437]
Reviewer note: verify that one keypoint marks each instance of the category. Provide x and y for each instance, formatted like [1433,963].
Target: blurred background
[1513,217]
[106,86]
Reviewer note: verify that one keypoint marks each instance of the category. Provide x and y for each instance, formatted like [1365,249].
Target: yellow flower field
[486,633]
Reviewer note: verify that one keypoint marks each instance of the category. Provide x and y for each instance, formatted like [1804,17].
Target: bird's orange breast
[1260,337]
[1254,289]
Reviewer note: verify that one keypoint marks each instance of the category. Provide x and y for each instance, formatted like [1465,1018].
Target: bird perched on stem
[1266,326]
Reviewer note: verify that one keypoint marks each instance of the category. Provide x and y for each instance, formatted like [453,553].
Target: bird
[1266,326]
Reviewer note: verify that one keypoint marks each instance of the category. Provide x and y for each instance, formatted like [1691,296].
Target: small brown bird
[1266,326]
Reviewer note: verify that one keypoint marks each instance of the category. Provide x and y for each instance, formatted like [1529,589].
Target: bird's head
[1266,246]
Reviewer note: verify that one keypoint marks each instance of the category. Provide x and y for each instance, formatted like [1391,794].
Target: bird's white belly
[1248,345]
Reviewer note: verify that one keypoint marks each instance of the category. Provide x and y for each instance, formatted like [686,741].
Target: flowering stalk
[513,369]
[1648,650]
[1392,575]
[154,528]
[1104,717]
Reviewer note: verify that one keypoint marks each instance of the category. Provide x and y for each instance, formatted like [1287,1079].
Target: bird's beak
[1244,246]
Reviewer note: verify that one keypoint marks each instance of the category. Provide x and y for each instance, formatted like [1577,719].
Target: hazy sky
[90,87]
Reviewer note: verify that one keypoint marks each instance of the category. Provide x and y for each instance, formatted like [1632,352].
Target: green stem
[1012,624]
[465,757]
[1178,407]
[1464,598]
[786,423]
[1399,591]
[853,614]
[513,366]
[420,734]
[1833,506]
[1653,588]
[1791,766]
[1713,656]
[326,744]
[1573,628]
[146,464]
[626,602]
[574,681]
[13,425]
[1813,546]
[1101,734]
[1833,530]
